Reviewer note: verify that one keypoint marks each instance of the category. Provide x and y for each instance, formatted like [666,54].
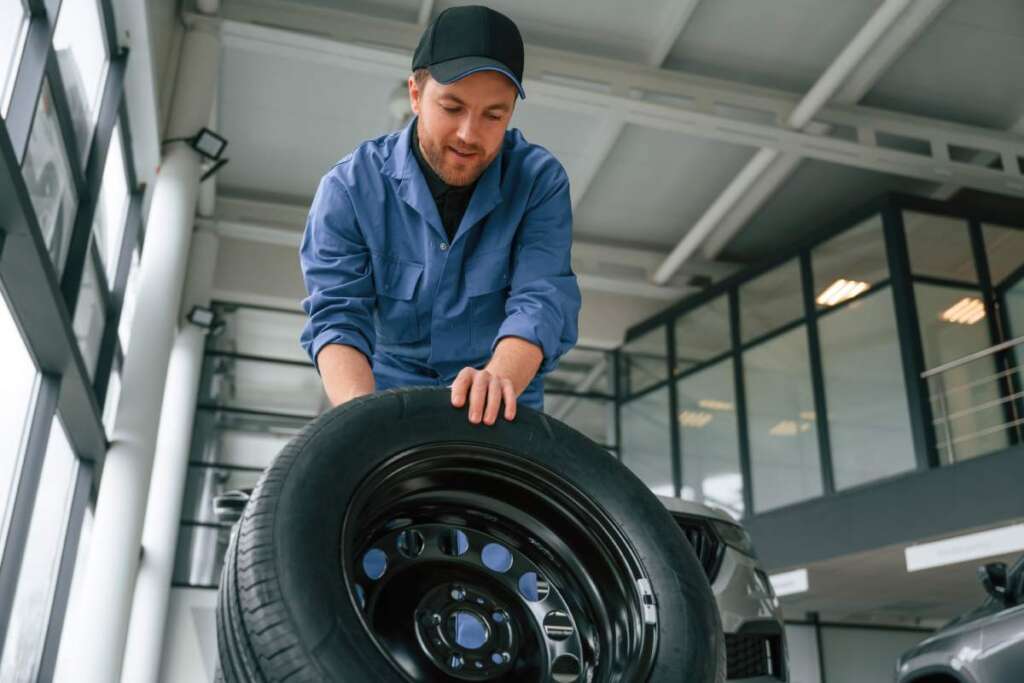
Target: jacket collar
[412,188]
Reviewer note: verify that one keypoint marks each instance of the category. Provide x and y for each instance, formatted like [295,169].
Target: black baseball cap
[464,40]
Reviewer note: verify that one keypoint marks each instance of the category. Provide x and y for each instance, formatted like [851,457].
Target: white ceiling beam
[837,76]
[655,98]
[903,34]
[946,191]
[678,14]
[426,10]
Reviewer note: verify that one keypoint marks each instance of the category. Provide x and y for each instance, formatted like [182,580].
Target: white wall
[190,648]
[803,654]
[856,655]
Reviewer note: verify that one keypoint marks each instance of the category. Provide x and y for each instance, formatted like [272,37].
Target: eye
[450,110]
[494,117]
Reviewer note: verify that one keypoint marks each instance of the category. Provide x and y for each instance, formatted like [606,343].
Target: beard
[446,167]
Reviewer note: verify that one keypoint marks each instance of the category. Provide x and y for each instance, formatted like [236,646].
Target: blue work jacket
[382,276]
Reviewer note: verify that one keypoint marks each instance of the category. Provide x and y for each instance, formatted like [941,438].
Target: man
[440,254]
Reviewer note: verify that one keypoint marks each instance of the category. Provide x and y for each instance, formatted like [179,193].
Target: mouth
[461,155]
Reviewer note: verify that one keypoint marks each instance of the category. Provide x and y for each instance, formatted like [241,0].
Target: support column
[113,558]
[170,469]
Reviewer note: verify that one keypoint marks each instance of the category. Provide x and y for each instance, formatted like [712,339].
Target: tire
[402,475]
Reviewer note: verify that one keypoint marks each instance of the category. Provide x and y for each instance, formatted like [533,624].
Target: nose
[467,132]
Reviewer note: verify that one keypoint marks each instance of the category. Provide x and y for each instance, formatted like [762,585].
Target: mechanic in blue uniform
[440,254]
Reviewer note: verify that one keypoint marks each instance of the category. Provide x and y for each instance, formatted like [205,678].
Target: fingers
[509,394]
[494,390]
[461,386]
[478,395]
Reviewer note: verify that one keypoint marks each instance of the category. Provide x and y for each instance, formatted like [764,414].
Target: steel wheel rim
[587,613]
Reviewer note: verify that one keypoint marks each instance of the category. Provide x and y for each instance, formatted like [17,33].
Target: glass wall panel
[240,439]
[770,301]
[13,22]
[966,400]
[593,417]
[124,325]
[1004,248]
[645,361]
[204,483]
[200,554]
[90,314]
[109,222]
[260,332]
[33,595]
[710,439]
[263,385]
[1014,301]
[780,412]
[939,246]
[647,442]
[850,263]
[16,400]
[702,333]
[868,417]
[80,46]
[65,664]
[48,178]
[581,369]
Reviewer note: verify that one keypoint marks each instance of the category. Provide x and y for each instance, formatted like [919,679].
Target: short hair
[421,76]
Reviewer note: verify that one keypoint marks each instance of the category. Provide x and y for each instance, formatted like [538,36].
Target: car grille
[753,654]
[705,544]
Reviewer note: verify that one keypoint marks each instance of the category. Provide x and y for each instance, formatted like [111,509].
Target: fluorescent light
[808,415]
[715,404]
[694,418]
[840,291]
[967,311]
[1001,541]
[790,583]
[784,428]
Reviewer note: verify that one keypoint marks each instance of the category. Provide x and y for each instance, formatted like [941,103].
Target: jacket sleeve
[544,302]
[336,269]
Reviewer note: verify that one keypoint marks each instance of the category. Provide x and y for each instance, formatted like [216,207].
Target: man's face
[462,125]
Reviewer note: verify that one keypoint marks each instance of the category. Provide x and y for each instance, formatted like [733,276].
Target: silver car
[755,640]
[986,645]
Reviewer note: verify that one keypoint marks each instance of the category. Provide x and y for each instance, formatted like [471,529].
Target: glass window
[581,369]
[1014,299]
[48,178]
[109,222]
[37,578]
[240,439]
[868,417]
[16,400]
[593,417]
[200,554]
[850,263]
[124,326]
[702,333]
[645,361]
[939,246]
[13,25]
[65,664]
[771,300]
[259,332]
[1005,250]
[90,314]
[80,46]
[966,401]
[263,385]
[780,412]
[111,400]
[710,439]
[647,441]
[204,483]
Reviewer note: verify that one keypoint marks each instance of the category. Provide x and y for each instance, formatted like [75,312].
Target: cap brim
[456,69]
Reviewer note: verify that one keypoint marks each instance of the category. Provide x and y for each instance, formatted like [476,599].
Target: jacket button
[444,246]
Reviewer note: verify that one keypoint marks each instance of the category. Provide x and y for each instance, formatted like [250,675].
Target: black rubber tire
[284,611]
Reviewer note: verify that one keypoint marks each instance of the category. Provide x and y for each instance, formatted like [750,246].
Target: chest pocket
[487,285]
[396,281]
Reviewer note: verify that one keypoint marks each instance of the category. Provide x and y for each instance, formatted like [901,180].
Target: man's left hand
[486,392]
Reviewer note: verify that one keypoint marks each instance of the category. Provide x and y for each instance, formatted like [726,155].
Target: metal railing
[976,402]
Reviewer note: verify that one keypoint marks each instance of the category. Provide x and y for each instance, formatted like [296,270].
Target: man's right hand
[345,372]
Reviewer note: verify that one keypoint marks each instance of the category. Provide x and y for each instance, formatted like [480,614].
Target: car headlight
[735,537]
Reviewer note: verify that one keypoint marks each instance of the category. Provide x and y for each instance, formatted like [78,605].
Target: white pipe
[208,188]
[819,94]
[110,570]
[170,469]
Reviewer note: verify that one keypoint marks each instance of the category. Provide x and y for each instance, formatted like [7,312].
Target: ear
[414,96]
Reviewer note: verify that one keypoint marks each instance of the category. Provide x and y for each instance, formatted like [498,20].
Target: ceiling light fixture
[715,404]
[965,548]
[694,418]
[967,311]
[790,583]
[840,291]
[784,428]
